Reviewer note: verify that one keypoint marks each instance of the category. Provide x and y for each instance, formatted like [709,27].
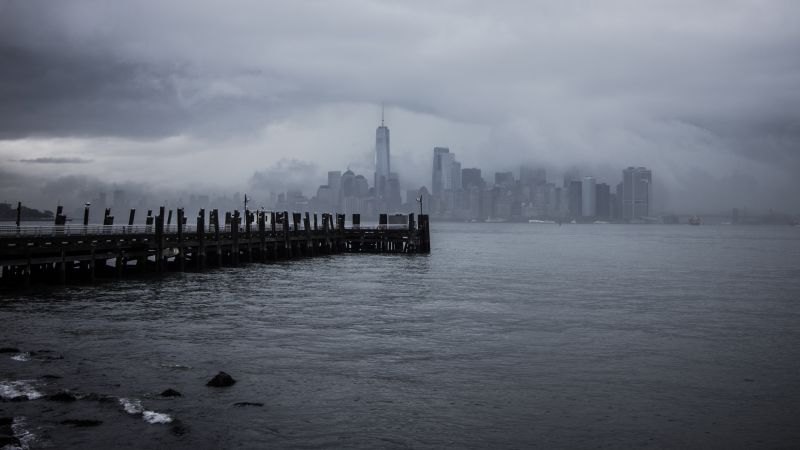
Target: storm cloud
[186,92]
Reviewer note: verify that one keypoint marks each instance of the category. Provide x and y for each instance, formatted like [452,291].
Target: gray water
[505,336]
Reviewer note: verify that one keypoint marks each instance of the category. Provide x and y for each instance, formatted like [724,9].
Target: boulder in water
[170,393]
[8,440]
[248,404]
[9,350]
[63,396]
[221,379]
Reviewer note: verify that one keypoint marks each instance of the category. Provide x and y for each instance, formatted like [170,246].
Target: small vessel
[541,221]
[694,220]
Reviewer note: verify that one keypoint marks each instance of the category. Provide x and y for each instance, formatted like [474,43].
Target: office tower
[637,193]
[575,201]
[588,197]
[382,160]
[442,162]
[347,184]
[603,202]
[471,178]
[505,179]
[393,192]
[335,185]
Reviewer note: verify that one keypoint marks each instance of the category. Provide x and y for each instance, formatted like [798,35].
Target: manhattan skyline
[703,94]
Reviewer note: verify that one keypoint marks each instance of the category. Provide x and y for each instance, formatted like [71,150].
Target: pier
[62,253]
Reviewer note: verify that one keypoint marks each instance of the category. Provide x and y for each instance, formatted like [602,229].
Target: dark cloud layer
[705,92]
[56,160]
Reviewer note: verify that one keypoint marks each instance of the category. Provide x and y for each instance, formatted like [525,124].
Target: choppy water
[506,336]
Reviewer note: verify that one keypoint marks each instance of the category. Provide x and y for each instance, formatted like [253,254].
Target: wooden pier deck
[62,254]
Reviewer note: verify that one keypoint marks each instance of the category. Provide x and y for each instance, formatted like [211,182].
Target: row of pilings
[83,253]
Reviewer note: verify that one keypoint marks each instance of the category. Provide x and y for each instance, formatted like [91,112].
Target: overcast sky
[201,95]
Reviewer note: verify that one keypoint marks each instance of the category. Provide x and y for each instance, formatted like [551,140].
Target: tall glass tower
[382,160]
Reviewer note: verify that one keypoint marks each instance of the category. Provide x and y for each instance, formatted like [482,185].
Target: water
[506,336]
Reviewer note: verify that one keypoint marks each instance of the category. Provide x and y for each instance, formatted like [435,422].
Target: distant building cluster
[463,194]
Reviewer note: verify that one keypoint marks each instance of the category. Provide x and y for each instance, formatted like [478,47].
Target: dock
[65,254]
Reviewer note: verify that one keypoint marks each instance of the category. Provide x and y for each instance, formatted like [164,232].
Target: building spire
[382,106]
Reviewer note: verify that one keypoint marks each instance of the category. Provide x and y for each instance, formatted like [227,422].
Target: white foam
[134,407]
[25,437]
[155,417]
[25,356]
[11,389]
[131,406]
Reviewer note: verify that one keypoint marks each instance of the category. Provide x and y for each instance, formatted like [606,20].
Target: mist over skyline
[214,98]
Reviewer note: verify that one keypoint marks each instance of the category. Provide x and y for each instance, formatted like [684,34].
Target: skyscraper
[588,197]
[637,193]
[471,178]
[442,161]
[382,160]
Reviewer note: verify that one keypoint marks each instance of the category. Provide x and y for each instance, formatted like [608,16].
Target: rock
[81,422]
[51,377]
[9,440]
[62,397]
[221,379]
[9,350]
[170,393]
[240,404]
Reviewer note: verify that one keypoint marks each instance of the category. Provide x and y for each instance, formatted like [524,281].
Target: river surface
[505,336]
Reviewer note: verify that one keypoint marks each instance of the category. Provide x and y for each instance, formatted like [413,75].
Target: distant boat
[496,220]
[694,220]
[541,221]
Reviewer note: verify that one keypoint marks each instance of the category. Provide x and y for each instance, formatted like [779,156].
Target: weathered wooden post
[160,241]
[235,237]
[274,233]
[200,254]
[86,216]
[215,221]
[424,234]
[148,221]
[248,219]
[19,214]
[355,246]
[309,248]
[286,237]
[262,234]
[131,217]
[181,257]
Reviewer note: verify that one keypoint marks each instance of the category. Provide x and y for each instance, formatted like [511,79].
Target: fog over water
[198,96]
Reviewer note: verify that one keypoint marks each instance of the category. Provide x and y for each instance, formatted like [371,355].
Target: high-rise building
[603,202]
[382,160]
[442,162]
[471,178]
[505,179]
[335,185]
[588,197]
[575,203]
[637,193]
